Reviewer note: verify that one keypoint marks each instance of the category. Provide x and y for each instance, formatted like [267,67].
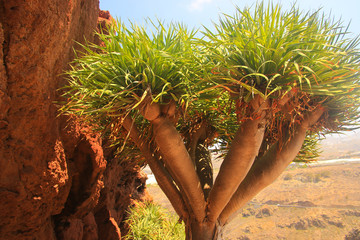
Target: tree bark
[244,148]
[178,161]
[196,135]
[204,168]
[270,166]
[202,231]
[161,175]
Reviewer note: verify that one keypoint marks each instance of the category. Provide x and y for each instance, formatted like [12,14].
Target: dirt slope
[303,203]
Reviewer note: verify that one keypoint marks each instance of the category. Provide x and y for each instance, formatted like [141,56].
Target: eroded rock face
[124,186]
[42,166]
[52,168]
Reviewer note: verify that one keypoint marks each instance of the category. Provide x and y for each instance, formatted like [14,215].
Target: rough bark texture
[162,176]
[51,168]
[181,167]
[237,162]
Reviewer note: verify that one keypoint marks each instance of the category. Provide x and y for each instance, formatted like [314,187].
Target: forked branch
[196,135]
[244,148]
[177,159]
[162,176]
[270,166]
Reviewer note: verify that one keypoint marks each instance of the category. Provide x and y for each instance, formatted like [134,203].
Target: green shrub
[288,176]
[150,221]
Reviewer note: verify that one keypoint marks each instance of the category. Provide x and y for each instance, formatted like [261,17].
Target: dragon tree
[259,87]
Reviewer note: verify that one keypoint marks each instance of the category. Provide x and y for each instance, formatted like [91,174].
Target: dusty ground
[321,202]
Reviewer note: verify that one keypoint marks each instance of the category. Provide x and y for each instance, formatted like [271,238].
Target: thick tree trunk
[201,231]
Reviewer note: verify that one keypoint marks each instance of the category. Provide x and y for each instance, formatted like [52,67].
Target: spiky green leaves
[133,64]
[265,49]
[269,51]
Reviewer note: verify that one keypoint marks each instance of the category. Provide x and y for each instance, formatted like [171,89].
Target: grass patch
[149,221]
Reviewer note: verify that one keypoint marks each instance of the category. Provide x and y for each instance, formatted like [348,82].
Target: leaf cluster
[113,78]
[265,49]
[262,50]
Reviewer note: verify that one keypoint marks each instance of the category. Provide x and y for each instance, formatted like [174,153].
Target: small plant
[315,178]
[325,174]
[288,176]
[312,178]
[149,221]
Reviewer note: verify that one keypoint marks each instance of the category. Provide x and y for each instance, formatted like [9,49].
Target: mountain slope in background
[345,145]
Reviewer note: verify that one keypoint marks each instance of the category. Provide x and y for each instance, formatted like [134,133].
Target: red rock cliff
[51,168]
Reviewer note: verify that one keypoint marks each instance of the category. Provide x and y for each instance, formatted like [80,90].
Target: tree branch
[177,159]
[194,139]
[244,148]
[200,155]
[204,168]
[162,176]
[270,166]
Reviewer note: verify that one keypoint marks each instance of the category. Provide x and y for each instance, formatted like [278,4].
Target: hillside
[306,202]
[345,145]
[320,202]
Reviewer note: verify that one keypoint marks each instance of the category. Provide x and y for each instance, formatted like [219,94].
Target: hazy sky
[197,12]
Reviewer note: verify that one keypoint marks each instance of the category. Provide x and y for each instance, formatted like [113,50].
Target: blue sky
[196,12]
